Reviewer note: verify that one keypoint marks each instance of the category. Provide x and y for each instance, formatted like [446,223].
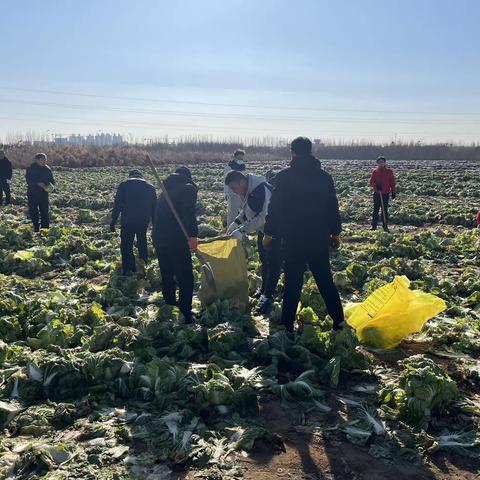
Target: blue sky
[343,69]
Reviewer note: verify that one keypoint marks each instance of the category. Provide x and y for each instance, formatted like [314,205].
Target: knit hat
[185,171]
[135,173]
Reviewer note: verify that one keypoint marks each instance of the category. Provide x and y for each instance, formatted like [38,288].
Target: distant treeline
[213,152]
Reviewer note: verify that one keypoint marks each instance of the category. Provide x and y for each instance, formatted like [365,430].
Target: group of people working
[294,215]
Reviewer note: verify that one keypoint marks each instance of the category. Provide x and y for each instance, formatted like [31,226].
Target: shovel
[383,209]
[206,267]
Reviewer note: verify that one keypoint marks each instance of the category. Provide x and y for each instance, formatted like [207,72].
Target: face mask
[240,161]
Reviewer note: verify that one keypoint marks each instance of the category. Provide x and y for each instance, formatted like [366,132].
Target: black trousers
[176,268]
[377,207]
[296,262]
[4,187]
[38,205]
[127,237]
[271,265]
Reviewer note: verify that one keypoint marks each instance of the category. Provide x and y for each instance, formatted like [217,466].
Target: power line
[237,116]
[230,105]
[210,129]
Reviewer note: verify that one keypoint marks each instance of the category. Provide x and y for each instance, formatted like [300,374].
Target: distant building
[60,141]
[99,140]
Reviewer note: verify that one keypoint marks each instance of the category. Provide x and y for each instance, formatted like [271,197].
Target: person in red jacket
[383,183]
[478,217]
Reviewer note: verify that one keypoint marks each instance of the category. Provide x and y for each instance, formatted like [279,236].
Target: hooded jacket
[303,210]
[135,202]
[253,211]
[38,174]
[166,231]
[5,169]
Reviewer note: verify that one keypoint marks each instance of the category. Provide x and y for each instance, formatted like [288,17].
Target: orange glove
[335,242]
[267,241]
[193,243]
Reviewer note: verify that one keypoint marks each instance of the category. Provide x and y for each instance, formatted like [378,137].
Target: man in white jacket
[255,193]
[234,202]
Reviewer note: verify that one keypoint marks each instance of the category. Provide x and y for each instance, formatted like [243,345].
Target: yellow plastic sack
[229,265]
[391,313]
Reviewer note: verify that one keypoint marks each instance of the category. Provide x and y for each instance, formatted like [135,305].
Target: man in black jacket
[172,247]
[304,213]
[40,182]
[135,202]
[5,178]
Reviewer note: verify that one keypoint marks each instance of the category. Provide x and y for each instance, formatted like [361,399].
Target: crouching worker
[40,182]
[135,203]
[172,247]
[255,193]
[304,213]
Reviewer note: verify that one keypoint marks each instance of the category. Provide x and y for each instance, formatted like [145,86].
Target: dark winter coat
[166,231]
[5,169]
[303,209]
[38,174]
[134,202]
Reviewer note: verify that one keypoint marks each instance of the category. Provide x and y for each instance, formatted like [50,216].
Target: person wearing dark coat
[303,213]
[135,203]
[5,178]
[40,182]
[172,247]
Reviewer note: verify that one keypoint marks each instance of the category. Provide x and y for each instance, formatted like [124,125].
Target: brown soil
[313,457]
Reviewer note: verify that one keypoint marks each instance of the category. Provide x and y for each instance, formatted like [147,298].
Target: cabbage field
[99,379]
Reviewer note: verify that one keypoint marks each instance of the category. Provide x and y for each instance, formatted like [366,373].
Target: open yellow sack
[229,265]
[391,313]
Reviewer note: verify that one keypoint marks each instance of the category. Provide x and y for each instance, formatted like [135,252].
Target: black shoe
[386,229]
[264,306]
[374,227]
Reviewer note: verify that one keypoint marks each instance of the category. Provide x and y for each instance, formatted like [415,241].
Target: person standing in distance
[5,178]
[304,214]
[40,183]
[172,248]
[383,183]
[234,202]
[135,201]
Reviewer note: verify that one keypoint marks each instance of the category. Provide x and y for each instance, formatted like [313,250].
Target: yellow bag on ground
[229,265]
[391,313]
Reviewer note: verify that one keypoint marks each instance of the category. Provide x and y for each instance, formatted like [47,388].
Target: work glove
[394,195]
[335,242]
[193,243]
[9,180]
[267,242]
[237,234]
[112,227]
